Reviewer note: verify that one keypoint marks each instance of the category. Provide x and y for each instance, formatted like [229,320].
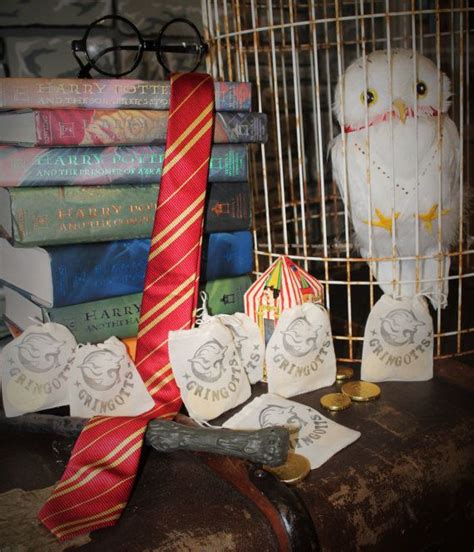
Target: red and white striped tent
[284,284]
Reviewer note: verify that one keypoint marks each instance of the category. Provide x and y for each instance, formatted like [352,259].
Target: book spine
[226,295]
[96,321]
[240,128]
[57,215]
[231,254]
[228,207]
[82,273]
[109,94]
[73,166]
[99,127]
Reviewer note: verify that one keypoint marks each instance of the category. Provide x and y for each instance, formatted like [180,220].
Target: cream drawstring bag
[398,341]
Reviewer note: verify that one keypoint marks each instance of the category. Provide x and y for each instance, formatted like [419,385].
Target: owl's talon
[430,216]
[383,221]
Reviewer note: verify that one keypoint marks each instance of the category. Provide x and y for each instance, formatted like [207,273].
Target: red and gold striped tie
[98,479]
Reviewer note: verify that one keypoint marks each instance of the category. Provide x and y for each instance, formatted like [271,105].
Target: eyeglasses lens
[113,47]
[179,47]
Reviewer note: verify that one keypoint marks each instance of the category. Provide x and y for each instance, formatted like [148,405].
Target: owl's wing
[451,185]
[337,160]
[357,201]
[356,188]
[439,188]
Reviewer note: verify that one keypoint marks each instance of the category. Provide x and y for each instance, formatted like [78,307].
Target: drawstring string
[439,298]
[202,314]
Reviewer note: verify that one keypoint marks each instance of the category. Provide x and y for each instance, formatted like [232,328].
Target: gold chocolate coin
[361,391]
[293,470]
[344,373]
[335,401]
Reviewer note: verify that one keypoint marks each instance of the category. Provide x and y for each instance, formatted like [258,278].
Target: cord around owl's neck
[426,111]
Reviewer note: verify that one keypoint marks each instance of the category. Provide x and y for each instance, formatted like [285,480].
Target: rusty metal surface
[407,484]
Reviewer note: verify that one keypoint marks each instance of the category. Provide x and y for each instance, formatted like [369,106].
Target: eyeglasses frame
[145,45]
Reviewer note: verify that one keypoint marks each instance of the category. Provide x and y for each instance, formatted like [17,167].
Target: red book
[113,127]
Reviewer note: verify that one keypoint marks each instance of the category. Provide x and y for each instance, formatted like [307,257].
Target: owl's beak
[401,107]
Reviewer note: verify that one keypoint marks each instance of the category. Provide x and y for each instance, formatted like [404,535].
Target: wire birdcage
[294,52]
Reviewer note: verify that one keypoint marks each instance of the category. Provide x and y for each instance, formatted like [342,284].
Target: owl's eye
[369,97]
[421,89]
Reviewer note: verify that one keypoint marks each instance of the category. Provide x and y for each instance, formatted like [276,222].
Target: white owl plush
[401,161]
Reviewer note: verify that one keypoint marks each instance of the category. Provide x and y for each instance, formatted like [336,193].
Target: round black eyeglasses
[113,46]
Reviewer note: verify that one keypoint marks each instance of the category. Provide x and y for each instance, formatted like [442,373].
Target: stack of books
[80,165]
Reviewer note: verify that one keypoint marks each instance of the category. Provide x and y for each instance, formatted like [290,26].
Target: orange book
[131,344]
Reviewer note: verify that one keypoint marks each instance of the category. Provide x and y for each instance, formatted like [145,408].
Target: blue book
[70,274]
[226,254]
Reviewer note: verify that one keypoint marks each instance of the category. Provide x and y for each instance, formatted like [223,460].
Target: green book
[95,321]
[91,322]
[226,295]
[81,214]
